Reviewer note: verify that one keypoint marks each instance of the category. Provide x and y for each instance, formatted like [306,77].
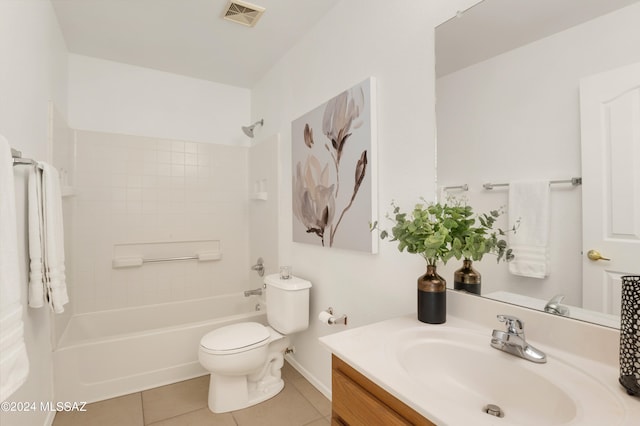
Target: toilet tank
[287,303]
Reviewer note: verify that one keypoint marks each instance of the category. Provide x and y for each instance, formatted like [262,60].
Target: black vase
[467,278]
[432,297]
[630,335]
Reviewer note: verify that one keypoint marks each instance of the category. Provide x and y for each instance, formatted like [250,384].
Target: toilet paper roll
[325,317]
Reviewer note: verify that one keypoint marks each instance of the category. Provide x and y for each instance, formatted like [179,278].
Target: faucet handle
[259,267]
[514,325]
[556,299]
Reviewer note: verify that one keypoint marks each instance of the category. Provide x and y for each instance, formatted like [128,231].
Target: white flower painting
[333,171]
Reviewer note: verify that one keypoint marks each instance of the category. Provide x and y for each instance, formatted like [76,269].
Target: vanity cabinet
[357,401]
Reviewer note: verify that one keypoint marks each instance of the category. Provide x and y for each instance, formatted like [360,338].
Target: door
[610,126]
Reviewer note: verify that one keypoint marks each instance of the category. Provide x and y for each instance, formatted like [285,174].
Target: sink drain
[493,410]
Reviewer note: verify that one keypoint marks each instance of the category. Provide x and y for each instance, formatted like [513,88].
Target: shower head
[248,130]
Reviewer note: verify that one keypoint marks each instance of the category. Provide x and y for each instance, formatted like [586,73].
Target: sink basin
[459,366]
[449,373]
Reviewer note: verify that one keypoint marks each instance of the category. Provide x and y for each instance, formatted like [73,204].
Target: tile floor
[185,404]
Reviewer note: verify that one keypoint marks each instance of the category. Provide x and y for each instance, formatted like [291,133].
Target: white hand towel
[14,364]
[47,281]
[529,203]
[36,243]
[55,278]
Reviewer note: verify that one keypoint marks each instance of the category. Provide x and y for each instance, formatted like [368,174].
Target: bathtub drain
[493,410]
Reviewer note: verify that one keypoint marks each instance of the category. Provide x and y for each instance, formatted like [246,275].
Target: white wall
[355,40]
[516,116]
[107,96]
[33,71]
[159,193]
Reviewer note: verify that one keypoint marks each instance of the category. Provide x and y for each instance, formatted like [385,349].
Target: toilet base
[230,392]
[239,394]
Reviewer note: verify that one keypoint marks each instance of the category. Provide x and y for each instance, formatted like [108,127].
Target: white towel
[529,203]
[36,245]
[47,280]
[14,364]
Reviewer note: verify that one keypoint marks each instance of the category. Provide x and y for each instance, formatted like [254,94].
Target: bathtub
[111,353]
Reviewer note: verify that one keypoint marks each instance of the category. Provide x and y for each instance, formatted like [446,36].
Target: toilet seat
[235,338]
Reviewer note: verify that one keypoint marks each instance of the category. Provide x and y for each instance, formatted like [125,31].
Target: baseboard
[310,377]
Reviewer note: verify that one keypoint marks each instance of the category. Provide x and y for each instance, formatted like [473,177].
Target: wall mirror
[508,90]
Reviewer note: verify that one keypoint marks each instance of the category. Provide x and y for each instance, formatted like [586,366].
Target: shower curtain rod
[17,158]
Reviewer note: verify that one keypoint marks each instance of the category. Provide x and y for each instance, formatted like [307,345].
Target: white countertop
[370,350]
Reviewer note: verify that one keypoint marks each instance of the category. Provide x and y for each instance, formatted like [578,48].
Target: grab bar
[129,262]
[170,259]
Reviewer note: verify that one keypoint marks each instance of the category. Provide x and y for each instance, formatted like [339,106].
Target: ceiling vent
[242,13]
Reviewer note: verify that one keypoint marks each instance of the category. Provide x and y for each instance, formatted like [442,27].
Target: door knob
[595,255]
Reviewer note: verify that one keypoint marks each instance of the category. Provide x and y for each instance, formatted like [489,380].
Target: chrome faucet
[513,342]
[554,306]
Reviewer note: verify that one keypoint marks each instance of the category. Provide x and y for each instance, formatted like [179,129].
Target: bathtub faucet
[255,292]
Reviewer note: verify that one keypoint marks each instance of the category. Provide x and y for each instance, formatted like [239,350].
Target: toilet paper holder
[333,320]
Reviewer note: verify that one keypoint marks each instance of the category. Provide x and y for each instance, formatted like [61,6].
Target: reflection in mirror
[508,109]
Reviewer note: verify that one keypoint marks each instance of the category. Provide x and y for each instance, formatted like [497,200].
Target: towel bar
[575,181]
[463,187]
[17,158]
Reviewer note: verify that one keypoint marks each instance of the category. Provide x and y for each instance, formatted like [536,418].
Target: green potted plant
[428,230]
[474,241]
[438,232]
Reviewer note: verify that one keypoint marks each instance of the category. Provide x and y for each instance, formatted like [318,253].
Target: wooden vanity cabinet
[357,401]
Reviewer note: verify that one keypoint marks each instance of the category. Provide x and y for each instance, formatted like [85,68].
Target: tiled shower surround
[132,189]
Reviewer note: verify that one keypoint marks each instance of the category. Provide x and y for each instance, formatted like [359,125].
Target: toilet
[245,359]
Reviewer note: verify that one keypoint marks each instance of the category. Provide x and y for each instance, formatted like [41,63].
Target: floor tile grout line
[144,422]
[307,399]
[173,417]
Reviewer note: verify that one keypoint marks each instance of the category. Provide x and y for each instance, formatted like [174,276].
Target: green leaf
[439,232]
[450,223]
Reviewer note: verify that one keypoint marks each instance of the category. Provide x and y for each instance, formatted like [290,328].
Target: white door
[610,126]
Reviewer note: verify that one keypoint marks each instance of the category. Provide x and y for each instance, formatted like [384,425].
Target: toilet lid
[235,336]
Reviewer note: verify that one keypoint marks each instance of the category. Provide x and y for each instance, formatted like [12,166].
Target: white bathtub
[110,353]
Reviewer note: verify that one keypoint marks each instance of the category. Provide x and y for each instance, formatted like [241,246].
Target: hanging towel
[47,280]
[36,245]
[14,364]
[529,203]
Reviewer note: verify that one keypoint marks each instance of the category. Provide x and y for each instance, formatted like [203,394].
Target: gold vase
[432,297]
[467,278]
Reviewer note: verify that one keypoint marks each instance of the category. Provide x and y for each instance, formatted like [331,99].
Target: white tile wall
[133,189]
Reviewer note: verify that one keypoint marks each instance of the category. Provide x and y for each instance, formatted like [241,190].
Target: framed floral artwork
[334,176]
